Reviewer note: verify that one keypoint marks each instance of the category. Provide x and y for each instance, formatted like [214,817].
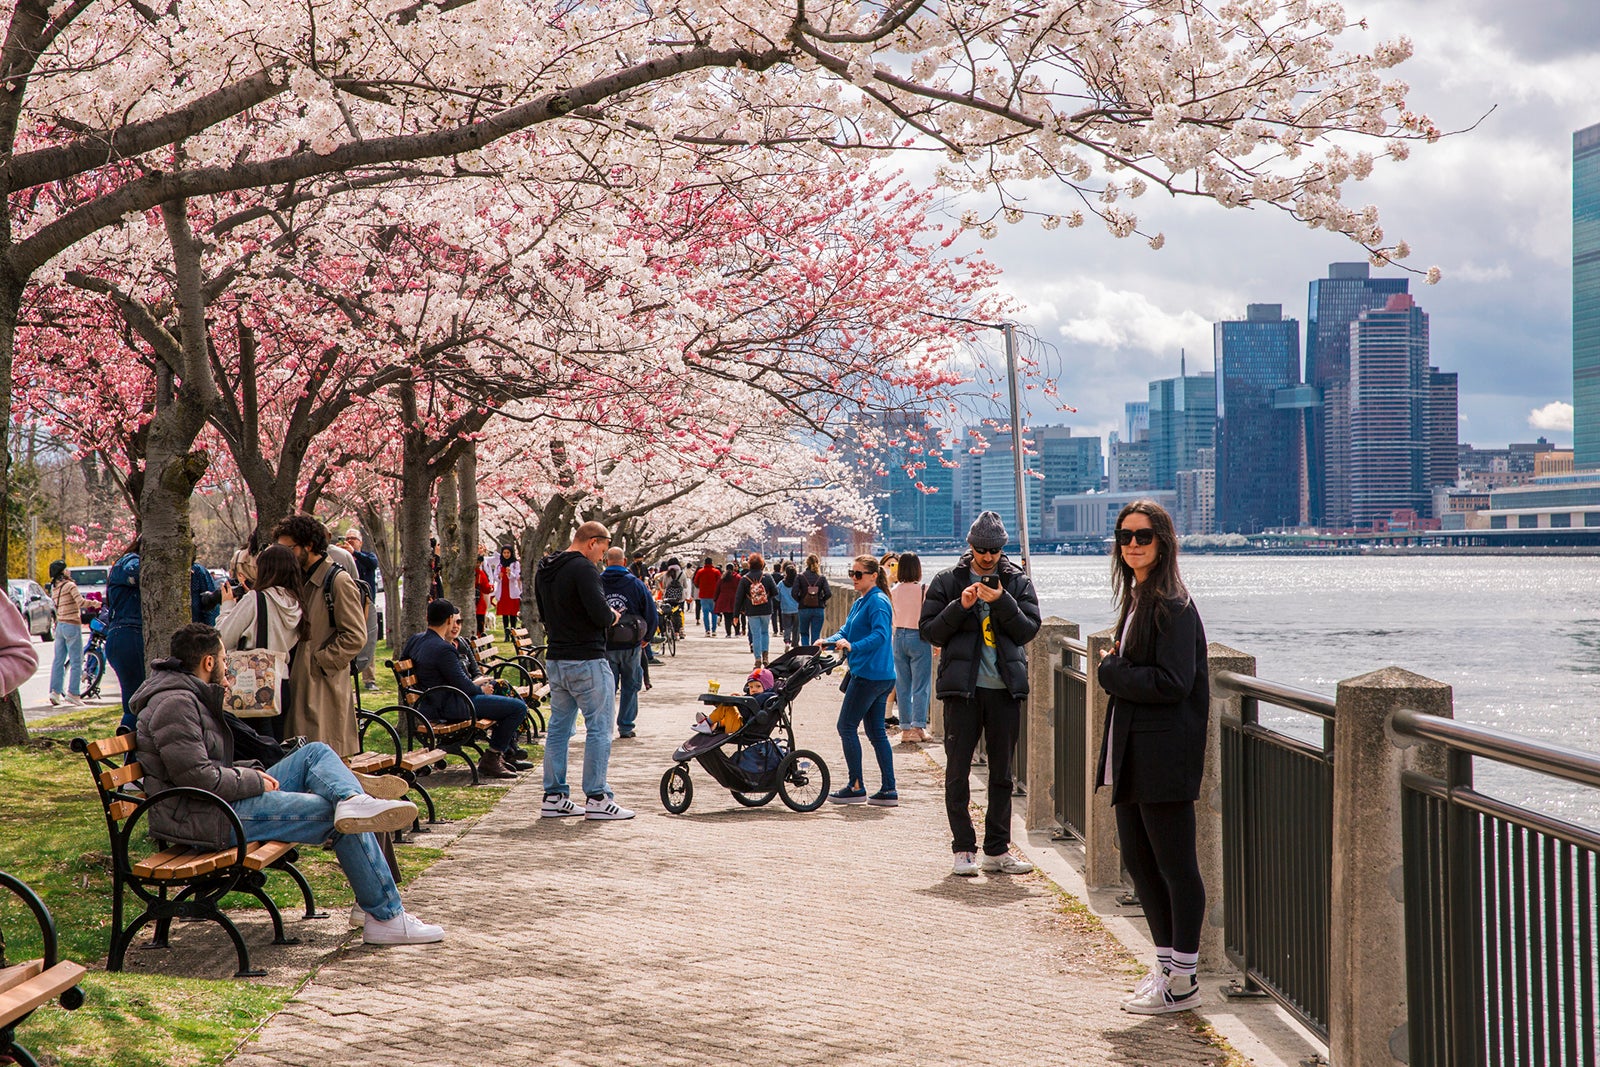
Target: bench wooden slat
[265,853]
[150,863]
[128,772]
[422,757]
[18,973]
[450,729]
[370,762]
[38,990]
[111,746]
[121,809]
[195,864]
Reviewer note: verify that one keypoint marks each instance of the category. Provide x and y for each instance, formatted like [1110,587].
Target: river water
[1518,637]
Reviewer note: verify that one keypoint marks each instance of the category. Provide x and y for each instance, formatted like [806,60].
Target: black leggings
[1158,849]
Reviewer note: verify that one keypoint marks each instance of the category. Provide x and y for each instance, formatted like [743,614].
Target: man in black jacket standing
[572,604]
[981,613]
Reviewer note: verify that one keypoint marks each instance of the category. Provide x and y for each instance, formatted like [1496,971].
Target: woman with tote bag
[268,619]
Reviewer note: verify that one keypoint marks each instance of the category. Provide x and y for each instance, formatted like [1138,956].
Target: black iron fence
[1072,762]
[1502,910]
[1277,848]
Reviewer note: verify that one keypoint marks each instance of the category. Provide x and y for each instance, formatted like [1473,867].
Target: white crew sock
[1185,963]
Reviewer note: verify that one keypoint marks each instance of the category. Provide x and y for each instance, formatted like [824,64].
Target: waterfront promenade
[728,935]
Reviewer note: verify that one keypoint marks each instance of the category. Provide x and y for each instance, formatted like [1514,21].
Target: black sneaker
[884,798]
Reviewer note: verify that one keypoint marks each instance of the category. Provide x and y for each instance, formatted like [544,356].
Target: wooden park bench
[31,984]
[179,881]
[516,674]
[383,752]
[464,737]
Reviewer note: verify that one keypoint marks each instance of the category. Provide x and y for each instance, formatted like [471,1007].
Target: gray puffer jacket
[181,738]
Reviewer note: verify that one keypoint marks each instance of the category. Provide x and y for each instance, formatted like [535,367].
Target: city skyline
[1491,207]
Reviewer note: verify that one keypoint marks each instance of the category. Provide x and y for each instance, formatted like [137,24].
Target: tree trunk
[378,530]
[461,577]
[412,521]
[447,527]
[13,728]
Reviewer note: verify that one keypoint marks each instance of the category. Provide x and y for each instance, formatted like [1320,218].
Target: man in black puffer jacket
[981,613]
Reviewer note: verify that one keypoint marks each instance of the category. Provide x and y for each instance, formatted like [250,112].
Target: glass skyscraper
[1183,420]
[1391,400]
[1335,303]
[1586,297]
[1258,443]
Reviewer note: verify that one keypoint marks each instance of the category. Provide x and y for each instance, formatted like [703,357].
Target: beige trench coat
[322,701]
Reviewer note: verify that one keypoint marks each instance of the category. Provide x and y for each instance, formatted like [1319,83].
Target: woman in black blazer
[1153,750]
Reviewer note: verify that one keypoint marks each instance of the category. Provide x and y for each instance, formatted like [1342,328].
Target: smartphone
[991,580]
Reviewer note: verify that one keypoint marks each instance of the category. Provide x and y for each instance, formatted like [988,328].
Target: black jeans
[1157,843]
[997,716]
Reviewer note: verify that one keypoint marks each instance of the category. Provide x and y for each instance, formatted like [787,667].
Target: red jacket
[705,582]
[484,587]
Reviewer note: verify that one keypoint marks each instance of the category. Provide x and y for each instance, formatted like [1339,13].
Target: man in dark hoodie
[627,595]
[182,739]
[981,613]
[572,604]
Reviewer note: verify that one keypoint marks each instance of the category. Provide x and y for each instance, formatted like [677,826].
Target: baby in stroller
[726,717]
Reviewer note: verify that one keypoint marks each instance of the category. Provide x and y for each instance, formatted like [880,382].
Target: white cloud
[1556,415]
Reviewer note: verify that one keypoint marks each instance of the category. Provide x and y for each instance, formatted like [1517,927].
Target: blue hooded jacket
[869,628]
[626,593]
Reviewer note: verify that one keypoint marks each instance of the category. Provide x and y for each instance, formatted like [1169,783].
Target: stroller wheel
[754,800]
[803,780]
[676,789]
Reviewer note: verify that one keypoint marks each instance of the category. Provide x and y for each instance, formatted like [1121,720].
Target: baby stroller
[758,761]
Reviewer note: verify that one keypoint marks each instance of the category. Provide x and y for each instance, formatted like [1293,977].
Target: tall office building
[1391,409]
[1197,496]
[1334,305]
[1258,442]
[1183,419]
[1136,416]
[1057,463]
[1444,429]
[885,445]
[1586,297]
[1128,465]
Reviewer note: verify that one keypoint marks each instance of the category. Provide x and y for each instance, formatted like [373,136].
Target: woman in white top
[277,592]
[913,657]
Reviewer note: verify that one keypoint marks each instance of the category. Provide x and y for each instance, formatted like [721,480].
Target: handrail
[1277,694]
[1565,763]
[1075,645]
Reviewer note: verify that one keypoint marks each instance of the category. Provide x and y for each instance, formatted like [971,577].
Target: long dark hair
[1150,602]
[276,568]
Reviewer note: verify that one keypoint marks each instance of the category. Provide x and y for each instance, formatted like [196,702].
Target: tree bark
[461,578]
[447,527]
[379,532]
[416,481]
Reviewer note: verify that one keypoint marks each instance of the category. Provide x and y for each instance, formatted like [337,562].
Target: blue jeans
[627,666]
[913,676]
[810,625]
[69,650]
[125,654]
[760,635]
[311,780]
[507,713]
[864,701]
[708,614]
[585,685]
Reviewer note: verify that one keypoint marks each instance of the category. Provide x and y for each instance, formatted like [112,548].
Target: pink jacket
[18,660]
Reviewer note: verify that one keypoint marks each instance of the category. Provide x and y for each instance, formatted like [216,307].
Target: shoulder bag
[256,675]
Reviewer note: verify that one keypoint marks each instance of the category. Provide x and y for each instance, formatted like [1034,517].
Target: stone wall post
[1039,760]
[1367,979]
[1208,812]
[838,607]
[1102,863]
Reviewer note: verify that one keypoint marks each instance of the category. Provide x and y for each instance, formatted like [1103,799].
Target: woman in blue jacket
[866,640]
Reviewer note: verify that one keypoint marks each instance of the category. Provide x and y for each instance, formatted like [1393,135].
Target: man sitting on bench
[433,656]
[182,739]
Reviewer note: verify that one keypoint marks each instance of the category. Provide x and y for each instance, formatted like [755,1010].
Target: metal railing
[1277,848]
[1502,909]
[1072,766]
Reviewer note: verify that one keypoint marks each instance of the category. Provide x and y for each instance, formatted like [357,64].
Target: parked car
[91,580]
[35,604]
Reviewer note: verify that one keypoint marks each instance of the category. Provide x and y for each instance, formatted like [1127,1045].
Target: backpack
[810,590]
[627,632]
[758,592]
[327,591]
[673,594]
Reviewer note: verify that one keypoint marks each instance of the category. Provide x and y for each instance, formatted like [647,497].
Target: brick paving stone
[725,935]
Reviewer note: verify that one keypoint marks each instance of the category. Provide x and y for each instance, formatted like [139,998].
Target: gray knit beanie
[987,531]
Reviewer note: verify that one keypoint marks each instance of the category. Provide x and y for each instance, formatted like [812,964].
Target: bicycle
[671,627]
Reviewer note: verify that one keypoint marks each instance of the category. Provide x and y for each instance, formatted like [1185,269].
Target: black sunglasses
[861,574]
[1126,536]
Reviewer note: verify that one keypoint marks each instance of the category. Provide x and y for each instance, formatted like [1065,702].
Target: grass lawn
[55,841]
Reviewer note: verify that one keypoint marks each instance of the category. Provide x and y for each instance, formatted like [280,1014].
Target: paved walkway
[727,935]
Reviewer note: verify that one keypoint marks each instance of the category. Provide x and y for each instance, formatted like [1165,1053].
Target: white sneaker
[382,786]
[358,918]
[55,699]
[403,929]
[1006,863]
[966,865]
[1146,984]
[72,700]
[557,806]
[364,814]
[605,808]
[1166,993]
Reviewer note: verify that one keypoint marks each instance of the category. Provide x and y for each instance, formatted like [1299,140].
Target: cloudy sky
[1491,208]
